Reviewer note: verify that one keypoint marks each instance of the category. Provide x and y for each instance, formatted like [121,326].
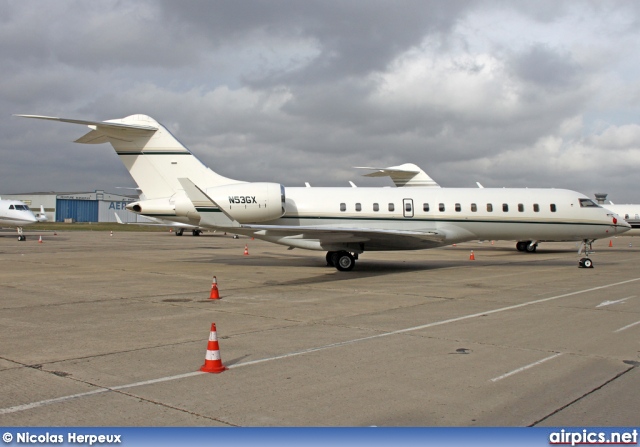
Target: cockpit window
[11,207]
[22,207]
[584,203]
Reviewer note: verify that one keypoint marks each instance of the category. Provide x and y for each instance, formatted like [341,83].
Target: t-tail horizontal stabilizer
[407,174]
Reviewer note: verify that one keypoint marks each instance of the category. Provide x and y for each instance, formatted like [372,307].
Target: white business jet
[344,222]
[630,213]
[16,214]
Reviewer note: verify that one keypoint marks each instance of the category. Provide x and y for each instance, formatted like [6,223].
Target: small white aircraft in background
[16,214]
[344,222]
[42,216]
[195,230]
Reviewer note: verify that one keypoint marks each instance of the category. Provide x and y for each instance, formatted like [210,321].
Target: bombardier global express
[344,222]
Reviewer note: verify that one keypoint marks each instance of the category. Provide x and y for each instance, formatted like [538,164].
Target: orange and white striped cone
[472,257]
[246,250]
[40,240]
[212,361]
[111,234]
[215,293]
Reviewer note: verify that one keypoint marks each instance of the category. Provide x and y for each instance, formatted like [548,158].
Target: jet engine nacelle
[153,207]
[179,207]
[250,202]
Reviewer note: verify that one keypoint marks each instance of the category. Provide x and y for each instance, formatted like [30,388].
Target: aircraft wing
[338,235]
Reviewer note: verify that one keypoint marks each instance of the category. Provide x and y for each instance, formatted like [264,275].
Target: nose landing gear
[586,262]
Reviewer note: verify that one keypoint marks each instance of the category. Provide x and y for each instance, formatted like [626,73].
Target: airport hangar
[96,206]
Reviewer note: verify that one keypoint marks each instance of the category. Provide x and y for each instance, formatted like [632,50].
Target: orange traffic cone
[610,243]
[170,230]
[212,361]
[215,293]
[472,257]
[40,240]
[492,242]
[55,233]
[246,250]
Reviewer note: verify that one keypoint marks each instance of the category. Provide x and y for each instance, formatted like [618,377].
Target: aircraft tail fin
[152,155]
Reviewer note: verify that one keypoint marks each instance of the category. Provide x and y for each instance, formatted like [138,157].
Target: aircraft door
[407,207]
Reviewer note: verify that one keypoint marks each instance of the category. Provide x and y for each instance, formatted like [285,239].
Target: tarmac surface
[101,330]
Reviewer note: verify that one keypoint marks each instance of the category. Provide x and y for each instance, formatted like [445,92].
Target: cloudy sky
[507,93]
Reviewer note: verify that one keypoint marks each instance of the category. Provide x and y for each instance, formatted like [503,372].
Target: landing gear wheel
[196,232]
[329,258]
[179,232]
[22,238]
[344,261]
[531,248]
[585,263]
[522,245]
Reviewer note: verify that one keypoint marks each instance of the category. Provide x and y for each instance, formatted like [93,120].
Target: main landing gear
[586,247]
[528,246]
[21,237]
[342,260]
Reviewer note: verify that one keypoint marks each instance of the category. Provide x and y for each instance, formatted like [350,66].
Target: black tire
[329,258]
[179,232]
[344,261]
[521,246]
[587,263]
[531,248]
[196,232]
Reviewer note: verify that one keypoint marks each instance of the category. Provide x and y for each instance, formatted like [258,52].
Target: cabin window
[521,207]
[584,203]
[489,207]
[343,207]
[358,207]
[552,207]
[626,217]
[376,207]
[392,207]
[505,207]
[441,207]
[474,208]
[425,207]
[407,207]
[536,207]
[458,208]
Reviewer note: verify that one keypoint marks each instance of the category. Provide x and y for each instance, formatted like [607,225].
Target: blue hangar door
[80,210]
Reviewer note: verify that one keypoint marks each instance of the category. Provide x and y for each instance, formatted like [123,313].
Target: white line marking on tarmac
[609,303]
[310,350]
[626,327]
[524,368]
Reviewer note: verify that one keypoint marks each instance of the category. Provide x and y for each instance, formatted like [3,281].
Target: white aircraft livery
[16,214]
[630,213]
[344,222]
